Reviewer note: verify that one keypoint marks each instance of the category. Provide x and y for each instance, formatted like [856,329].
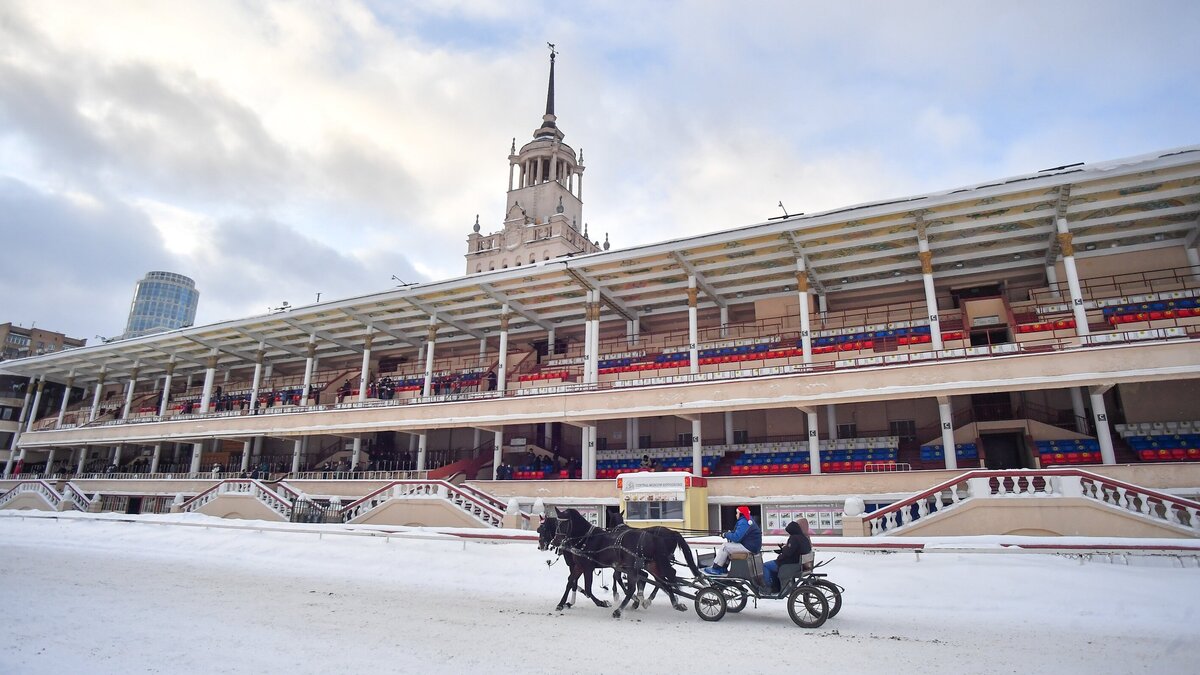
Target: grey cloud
[71,267]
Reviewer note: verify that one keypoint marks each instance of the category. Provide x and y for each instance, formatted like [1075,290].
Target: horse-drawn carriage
[645,556]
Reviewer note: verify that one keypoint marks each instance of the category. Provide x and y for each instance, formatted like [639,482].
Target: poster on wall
[823,518]
[592,513]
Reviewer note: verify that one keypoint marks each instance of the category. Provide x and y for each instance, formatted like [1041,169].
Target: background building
[18,342]
[162,301]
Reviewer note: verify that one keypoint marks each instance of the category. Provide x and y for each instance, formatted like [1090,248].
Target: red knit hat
[744,511]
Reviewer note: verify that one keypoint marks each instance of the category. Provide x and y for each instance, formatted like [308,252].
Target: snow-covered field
[96,596]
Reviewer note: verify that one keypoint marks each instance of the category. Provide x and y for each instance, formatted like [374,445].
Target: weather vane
[553,51]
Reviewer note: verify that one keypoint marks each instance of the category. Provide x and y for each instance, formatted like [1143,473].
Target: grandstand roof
[1003,227]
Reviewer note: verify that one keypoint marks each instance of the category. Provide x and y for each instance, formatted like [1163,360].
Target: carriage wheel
[710,604]
[807,607]
[735,598]
[833,595]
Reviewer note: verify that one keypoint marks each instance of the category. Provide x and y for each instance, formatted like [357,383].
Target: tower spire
[550,87]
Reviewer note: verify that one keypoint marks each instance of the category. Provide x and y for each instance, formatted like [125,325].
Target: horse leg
[667,581]
[629,585]
[587,590]
[571,585]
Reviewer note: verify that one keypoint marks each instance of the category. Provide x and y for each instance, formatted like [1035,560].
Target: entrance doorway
[134,505]
[1004,451]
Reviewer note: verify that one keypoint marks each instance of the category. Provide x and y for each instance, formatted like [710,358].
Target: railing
[1157,506]
[38,487]
[247,486]
[359,475]
[765,367]
[77,498]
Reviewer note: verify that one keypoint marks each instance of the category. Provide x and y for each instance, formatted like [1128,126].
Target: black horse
[576,566]
[629,551]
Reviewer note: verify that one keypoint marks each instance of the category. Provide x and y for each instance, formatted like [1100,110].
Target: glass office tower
[162,301]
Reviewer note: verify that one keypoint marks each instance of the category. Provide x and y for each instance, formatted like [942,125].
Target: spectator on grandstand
[343,391]
[746,537]
[491,380]
[794,551]
[646,462]
[505,472]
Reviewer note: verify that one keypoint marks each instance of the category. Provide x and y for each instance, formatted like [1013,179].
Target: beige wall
[1161,401]
[240,507]
[418,512]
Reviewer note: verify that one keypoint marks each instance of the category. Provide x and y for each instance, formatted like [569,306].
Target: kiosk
[668,498]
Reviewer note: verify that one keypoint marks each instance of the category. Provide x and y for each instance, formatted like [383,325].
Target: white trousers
[724,551]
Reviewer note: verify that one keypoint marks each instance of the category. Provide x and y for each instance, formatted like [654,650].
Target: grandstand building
[842,364]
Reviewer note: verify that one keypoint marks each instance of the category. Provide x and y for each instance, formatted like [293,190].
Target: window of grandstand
[644,441]
[601,443]
[905,429]
[672,510]
[741,436]
[683,439]
[847,430]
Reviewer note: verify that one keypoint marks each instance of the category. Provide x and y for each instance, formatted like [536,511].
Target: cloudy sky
[274,151]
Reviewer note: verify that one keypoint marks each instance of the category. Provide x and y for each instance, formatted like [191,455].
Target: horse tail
[687,554]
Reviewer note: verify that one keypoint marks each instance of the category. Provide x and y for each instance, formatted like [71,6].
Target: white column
[12,447]
[931,304]
[946,420]
[66,397]
[49,462]
[356,453]
[257,381]
[246,445]
[1068,254]
[364,375]
[595,362]
[630,439]
[589,449]
[166,391]
[814,442]
[154,459]
[728,427]
[309,366]
[724,322]
[693,326]
[550,338]
[82,459]
[1193,257]
[511,166]
[805,327]
[497,452]
[96,396]
[429,348]
[129,387]
[831,421]
[502,363]
[1052,280]
[1079,411]
[588,356]
[697,449]
[197,450]
[37,402]
[422,446]
[822,306]
[580,195]
[482,352]
[1100,417]
[209,374]
[297,450]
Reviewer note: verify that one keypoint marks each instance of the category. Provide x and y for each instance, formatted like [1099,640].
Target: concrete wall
[420,512]
[240,506]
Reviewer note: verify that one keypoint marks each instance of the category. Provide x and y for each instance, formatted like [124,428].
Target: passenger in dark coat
[798,545]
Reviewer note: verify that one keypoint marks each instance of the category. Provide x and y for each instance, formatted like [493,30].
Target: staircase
[484,508]
[1159,514]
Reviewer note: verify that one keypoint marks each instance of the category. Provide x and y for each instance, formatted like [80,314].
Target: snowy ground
[87,595]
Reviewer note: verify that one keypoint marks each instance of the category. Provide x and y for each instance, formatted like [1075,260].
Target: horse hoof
[559,608]
[606,604]
[681,608]
[616,613]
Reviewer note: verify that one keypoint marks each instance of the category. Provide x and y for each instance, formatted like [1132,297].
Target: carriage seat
[747,566]
[794,570]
